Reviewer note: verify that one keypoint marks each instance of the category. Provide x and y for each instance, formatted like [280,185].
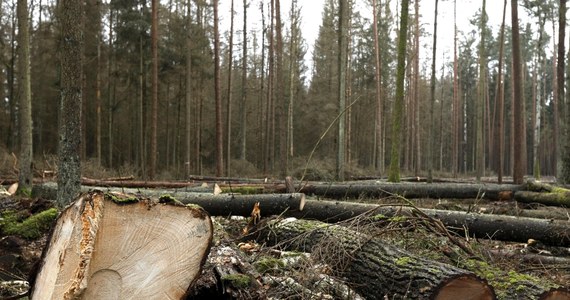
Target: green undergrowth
[32,227]
[239,281]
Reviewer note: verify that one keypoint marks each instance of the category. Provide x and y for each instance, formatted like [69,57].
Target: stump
[108,246]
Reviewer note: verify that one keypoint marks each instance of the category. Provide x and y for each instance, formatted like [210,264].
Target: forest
[265,113]
[208,149]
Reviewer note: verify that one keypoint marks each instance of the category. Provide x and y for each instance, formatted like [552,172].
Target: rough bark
[25,98]
[373,268]
[69,165]
[496,227]
[341,92]
[394,174]
[216,205]
[559,197]
[104,247]
[218,96]
[518,111]
[154,110]
[431,134]
[409,190]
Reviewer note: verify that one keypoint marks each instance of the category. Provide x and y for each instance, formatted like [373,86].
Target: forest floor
[272,272]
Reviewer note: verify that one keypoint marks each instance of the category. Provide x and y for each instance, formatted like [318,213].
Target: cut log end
[465,287]
[101,249]
[558,294]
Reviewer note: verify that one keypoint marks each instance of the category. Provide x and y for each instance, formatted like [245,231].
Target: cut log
[115,247]
[374,269]
[409,190]
[497,227]
[557,197]
[215,205]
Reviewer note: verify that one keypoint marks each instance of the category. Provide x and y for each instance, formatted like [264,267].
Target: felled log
[373,268]
[543,193]
[409,190]
[108,246]
[497,227]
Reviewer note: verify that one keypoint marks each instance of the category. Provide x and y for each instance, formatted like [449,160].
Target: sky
[311,11]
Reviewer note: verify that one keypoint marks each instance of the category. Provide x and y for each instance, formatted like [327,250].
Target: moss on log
[375,269]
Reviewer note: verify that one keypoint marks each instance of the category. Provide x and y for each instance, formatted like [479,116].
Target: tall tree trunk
[280,103]
[431,133]
[229,97]
[11,137]
[456,108]
[110,89]
[416,93]
[378,156]
[480,156]
[518,167]
[292,73]
[244,82]
[499,99]
[218,96]
[394,175]
[565,174]
[188,94]
[154,110]
[342,62]
[25,99]
[69,166]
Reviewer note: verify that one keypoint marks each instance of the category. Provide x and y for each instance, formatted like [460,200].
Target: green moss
[402,261]
[268,264]
[243,190]
[24,192]
[238,281]
[121,198]
[168,199]
[503,281]
[379,217]
[397,219]
[30,228]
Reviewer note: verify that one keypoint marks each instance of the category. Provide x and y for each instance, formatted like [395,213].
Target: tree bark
[154,111]
[394,174]
[409,190]
[25,99]
[431,129]
[69,165]
[518,111]
[111,247]
[496,227]
[218,96]
[560,82]
[230,92]
[372,267]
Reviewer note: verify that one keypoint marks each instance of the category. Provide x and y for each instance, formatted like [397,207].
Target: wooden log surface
[409,190]
[498,227]
[373,268]
[103,248]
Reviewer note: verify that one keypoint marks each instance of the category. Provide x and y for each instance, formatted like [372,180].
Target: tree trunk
[342,65]
[154,111]
[378,159]
[518,112]
[25,99]
[480,156]
[560,82]
[244,82]
[115,247]
[431,133]
[409,190]
[69,166]
[188,92]
[394,174]
[496,227]
[456,110]
[218,96]
[374,268]
[499,100]
[230,93]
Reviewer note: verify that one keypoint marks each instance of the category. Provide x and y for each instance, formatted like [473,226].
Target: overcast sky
[312,12]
